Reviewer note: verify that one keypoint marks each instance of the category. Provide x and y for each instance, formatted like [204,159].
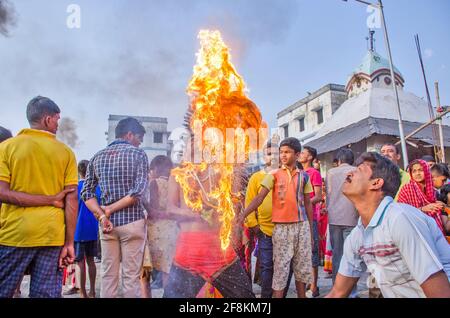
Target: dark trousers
[338,234]
[233,282]
[46,277]
[265,259]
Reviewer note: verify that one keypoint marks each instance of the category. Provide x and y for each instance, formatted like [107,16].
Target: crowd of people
[364,215]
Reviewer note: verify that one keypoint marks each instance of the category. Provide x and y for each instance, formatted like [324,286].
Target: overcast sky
[136,57]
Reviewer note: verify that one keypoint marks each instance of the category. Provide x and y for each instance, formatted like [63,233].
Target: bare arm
[446,222]
[29,200]
[317,195]
[94,207]
[151,203]
[256,202]
[71,213]
[173,203]
[342,287]
[67,255]
[437,286]
[120,205]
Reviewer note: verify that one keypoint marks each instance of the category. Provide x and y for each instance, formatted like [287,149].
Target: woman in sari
[419,192]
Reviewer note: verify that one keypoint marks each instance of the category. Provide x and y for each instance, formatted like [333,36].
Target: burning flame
[217,100]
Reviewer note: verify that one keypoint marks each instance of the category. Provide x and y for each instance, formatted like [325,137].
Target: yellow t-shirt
[265,209]
[35,162]
[404,179]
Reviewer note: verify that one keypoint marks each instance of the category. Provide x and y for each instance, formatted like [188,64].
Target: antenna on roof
[371,40]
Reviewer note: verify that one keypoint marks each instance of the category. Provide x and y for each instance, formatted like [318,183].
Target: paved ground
[324,286]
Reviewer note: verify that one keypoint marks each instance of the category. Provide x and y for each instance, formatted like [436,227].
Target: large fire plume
[218,103]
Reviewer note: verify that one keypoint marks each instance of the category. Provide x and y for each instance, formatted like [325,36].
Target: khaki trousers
[125,244]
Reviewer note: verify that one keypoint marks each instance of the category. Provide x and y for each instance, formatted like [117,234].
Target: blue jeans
[338,234]
[265,258]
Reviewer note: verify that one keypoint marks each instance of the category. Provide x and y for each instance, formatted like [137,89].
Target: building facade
[362,115]
[303,119]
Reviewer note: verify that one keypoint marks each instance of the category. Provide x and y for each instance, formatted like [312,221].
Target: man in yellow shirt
[38,176]
[260,222]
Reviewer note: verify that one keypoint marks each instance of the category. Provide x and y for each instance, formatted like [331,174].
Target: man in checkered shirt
[121,171]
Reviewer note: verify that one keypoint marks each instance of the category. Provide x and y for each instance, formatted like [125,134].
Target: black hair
[312,151]
[82,167]
[345,155]
[396,147]
[384,169]
[443,194]
[270,144]
[127,125]
[292,143]
[4,134]
[428,158]
[441,169]
[40,107]
[162,165]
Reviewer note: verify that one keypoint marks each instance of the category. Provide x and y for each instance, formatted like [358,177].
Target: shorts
[315,247]
[291,242]
[46,277]
[85,249]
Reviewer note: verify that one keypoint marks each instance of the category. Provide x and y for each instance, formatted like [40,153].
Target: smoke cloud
[125,59]
[67,131]
[7,17]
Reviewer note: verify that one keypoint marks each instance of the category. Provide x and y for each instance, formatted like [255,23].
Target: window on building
[286,131]
[320,116]
[301,124]
[157,137]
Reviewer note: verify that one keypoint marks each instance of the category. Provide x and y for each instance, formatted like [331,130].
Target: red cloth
[249,246]
[201,253]
[316,181]
[412,194]
[323,224]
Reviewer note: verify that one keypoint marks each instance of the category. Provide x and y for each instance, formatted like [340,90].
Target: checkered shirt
[120,170]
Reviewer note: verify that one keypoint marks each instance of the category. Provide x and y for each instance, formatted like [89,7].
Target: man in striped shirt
[121,171]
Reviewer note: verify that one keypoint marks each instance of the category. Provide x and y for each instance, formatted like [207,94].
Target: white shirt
[401,247]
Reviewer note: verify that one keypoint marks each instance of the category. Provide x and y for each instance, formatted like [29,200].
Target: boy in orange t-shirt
[292,216]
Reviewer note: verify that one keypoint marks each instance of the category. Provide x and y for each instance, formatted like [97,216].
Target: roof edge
[320,91]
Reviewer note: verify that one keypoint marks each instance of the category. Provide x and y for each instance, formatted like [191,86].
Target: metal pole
[422,127]
[394,86]
[441,133]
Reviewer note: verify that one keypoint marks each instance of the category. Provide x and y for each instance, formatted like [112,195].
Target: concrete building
[365,118]
[304,118]
[155,139]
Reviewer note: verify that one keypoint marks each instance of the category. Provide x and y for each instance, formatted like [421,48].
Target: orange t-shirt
[287,195]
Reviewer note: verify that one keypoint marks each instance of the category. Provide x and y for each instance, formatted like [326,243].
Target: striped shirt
[401,247]
[120,170]
[288,190]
